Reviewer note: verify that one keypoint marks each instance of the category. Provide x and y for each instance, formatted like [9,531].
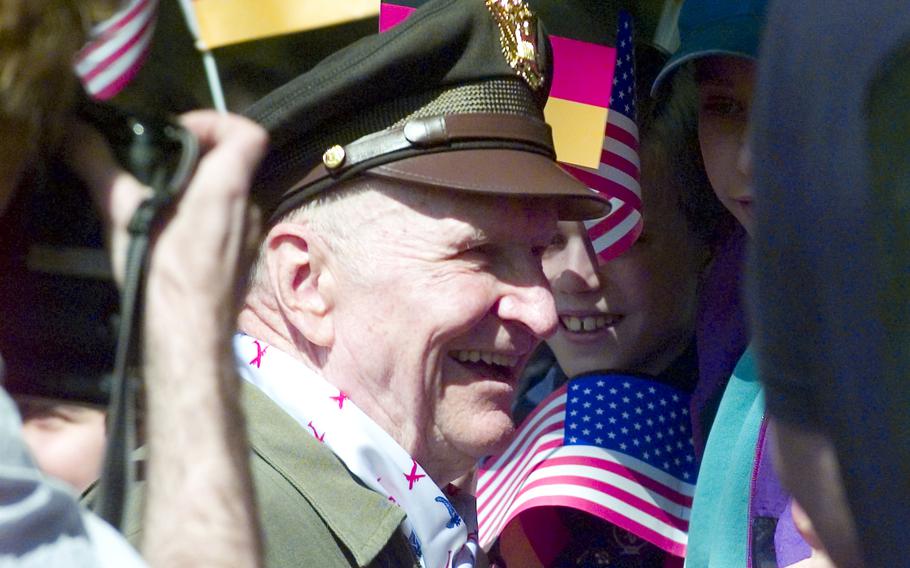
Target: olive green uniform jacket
[313,512]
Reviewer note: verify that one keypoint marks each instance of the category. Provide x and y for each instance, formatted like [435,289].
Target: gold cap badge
[518,36]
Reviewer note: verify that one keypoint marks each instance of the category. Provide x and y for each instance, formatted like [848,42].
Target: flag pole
[208,60]
[211,74]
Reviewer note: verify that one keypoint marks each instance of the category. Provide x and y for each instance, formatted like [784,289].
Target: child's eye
[722,107]
[559,242]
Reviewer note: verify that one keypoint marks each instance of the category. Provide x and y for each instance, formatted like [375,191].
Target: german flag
[584,59]
[226,22]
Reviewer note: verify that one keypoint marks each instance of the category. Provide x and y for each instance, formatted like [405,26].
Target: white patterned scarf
[440,536]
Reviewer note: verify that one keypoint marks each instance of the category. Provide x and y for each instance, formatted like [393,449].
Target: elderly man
[410,190]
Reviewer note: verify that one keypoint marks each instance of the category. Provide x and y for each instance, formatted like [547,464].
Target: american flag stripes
[618,175]
[615,446]
[117,49]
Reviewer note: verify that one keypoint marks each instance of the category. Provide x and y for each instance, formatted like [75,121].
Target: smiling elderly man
[411,189]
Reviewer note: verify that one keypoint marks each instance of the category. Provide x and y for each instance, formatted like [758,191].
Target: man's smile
[493,364]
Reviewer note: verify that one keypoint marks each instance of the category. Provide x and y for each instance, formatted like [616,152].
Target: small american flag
[117,50]
[615,446]
[619,172]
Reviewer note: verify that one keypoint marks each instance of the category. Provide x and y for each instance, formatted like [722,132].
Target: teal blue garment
[719,527]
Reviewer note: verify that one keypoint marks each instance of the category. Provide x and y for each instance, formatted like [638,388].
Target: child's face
[725,85]
[633,313]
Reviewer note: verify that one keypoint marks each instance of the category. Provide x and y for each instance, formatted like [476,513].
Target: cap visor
[504,172]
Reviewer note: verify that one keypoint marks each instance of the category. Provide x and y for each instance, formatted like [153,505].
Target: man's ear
[295,259]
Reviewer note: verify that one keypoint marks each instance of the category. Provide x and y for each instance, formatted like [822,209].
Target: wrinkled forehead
[478,216]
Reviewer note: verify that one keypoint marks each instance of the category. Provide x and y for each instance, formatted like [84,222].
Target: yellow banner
[578,131]
[224,22]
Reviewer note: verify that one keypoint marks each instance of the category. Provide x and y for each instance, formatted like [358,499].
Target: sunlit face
[725,86]
[66,440]
[634,313]
[450,303]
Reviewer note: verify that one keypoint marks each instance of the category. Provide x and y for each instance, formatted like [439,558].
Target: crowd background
[173,81]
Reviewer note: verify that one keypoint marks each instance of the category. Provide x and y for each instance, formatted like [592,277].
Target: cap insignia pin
[518,36]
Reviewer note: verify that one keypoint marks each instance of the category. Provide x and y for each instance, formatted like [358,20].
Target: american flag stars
[660,440]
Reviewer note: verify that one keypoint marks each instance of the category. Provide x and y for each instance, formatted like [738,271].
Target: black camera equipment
[63,334]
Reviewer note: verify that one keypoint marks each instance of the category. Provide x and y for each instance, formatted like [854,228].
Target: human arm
[199,508]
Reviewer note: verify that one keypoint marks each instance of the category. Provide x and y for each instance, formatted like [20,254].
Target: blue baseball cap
[715,27]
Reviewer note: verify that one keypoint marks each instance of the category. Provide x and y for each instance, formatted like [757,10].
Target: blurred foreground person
[66,439]
[411,189]
[830,267]
[200,509]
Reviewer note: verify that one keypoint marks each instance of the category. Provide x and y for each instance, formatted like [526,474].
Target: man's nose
[531,305]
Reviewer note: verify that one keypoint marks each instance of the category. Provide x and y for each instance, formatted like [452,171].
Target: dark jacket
[313,511]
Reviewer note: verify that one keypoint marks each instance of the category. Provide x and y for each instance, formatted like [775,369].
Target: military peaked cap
[451,98]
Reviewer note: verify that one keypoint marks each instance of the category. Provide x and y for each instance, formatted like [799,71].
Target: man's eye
[478,249]
[477,254]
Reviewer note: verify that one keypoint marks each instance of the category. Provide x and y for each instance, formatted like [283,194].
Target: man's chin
[491,436]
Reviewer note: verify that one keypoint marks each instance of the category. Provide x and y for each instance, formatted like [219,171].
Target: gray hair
[337,217]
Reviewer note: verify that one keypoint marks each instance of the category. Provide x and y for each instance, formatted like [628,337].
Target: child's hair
[670,153]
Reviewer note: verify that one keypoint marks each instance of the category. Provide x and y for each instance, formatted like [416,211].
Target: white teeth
[587,323]
[487,357]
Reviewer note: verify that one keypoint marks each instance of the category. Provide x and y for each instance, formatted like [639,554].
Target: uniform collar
[320,478]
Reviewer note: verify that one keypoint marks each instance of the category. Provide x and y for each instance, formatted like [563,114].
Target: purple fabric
[769,498]
[721,333]
[788,543]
